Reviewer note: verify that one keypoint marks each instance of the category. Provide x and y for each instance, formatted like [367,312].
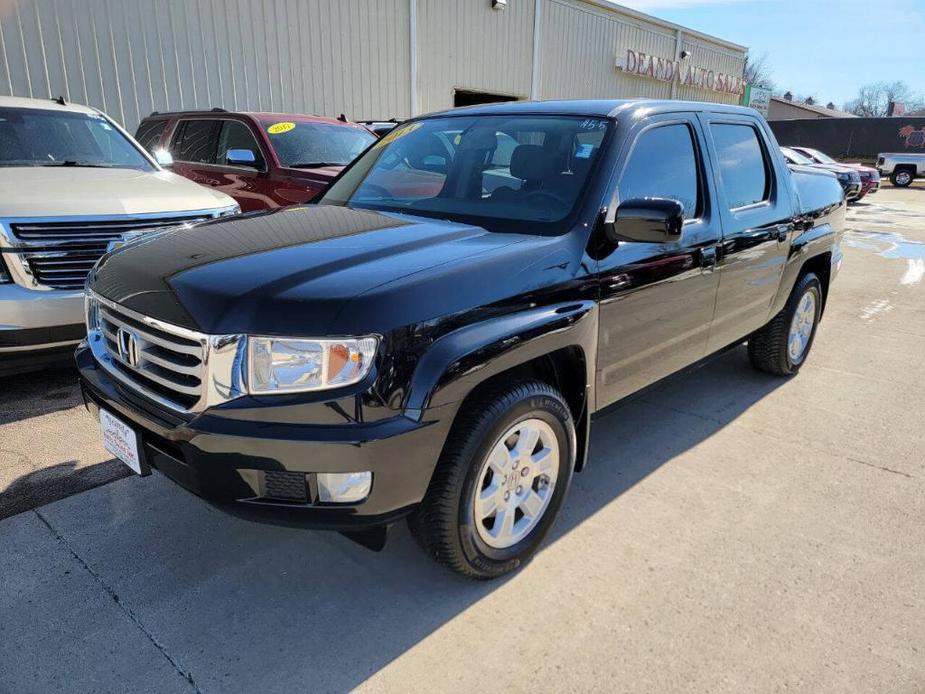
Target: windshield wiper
[315,164]
[81,164]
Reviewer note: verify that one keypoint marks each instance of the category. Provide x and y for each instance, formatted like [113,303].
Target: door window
[149,133]
[742,164]
[236,135]
[196,141]
[663,164]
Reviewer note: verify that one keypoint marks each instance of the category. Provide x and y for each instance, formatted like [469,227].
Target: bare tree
[874,99]
[757,72]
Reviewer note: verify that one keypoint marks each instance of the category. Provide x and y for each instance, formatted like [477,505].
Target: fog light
[344,487]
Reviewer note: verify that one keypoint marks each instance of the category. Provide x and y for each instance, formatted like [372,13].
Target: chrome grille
[60,255]
[64,270]
[94,232]
[158,360]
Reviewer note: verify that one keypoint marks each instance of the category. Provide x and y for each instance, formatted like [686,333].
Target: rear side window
[663,164]
[196,141]
[149,133]
[742,164]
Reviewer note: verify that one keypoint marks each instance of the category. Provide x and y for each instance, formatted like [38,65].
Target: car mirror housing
[241,157]
[163,157]
[646,220]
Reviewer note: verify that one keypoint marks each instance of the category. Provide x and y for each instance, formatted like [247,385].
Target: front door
[755,207]
[657,299]
[200,150]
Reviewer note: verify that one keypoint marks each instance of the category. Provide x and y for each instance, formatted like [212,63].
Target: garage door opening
[461,97]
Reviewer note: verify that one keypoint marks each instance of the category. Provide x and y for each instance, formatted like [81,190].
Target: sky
[821,48]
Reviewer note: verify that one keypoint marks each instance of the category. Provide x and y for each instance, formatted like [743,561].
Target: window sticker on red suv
[278,128]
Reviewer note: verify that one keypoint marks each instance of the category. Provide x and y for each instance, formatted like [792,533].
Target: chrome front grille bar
[180,369]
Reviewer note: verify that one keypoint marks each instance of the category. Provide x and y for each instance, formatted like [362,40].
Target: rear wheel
[500,482]
[781,346]
[901,178]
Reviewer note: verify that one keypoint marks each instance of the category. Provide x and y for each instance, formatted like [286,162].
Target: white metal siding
[464,44]
[579,46]
[716,58]
[131,57]
[580,43]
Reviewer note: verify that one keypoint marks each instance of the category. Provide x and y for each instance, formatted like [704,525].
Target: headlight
[228,211]
[282,365]
[844,177]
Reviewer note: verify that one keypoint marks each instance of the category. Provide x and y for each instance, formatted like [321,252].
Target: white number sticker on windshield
[592,124]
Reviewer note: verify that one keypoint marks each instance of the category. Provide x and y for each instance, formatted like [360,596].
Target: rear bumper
[226,460]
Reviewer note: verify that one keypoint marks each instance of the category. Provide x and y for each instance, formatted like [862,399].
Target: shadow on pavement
[59,481]
[37,393]
[247,607]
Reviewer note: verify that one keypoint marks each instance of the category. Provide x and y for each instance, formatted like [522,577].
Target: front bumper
[233,462]
[852,191]
[38,327]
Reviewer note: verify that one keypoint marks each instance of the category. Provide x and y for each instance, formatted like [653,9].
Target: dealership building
[368,59]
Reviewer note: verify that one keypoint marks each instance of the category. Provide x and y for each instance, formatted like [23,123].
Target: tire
[448,524]
[902,178]
[769,349]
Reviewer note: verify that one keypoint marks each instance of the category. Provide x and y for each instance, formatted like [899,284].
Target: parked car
[902,168]
[71,182]
[870,177]
[380,127]
[401,349]
[262,160]
[850,179]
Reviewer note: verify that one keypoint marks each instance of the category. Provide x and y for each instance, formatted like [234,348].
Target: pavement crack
[125,608]
[880,467]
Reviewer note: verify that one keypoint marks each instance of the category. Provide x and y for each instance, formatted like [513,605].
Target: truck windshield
[506,173]
[37,137]
[308,145]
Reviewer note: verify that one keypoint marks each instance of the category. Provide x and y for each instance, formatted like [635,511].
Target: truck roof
[44,104]
[601,108]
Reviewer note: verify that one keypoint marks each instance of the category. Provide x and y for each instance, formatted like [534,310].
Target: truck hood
[323,270]
[36,191]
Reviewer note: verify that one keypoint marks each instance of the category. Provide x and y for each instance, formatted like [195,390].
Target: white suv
[71,183]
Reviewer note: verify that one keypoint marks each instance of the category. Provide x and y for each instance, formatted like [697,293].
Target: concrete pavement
[733,533]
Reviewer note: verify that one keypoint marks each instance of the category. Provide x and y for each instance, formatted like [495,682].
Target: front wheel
[901,178]
[500,482]
[781,346]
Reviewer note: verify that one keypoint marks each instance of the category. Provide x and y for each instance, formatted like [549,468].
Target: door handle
[708,258]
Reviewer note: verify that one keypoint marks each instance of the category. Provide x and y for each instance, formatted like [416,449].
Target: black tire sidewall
[490,560]
[894,179]
[809,283]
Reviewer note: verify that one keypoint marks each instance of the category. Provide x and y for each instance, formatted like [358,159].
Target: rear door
[755,208]
[193,146]
[657,298]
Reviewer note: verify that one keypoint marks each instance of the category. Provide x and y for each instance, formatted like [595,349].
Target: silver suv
[72,182]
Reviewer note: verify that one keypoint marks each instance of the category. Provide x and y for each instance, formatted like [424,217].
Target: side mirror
[163,158]
[648,220]
[241,157]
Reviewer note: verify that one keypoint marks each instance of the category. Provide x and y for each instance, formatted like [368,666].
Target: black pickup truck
[434,336]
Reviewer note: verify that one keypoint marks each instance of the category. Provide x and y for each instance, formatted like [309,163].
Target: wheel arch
[554,344]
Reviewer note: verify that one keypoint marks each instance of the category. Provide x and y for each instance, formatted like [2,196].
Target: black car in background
[848,177]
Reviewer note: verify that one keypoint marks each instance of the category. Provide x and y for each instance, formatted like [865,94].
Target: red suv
[262,160]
